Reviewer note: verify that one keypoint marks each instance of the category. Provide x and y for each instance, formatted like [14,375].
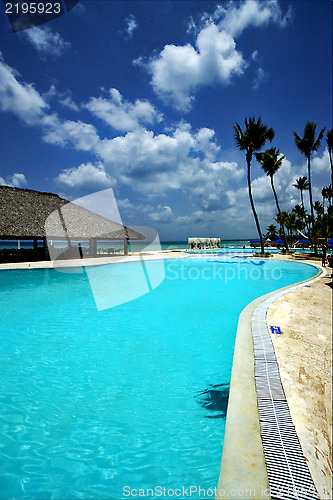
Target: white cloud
[131,25]
[21,99]
[85,174]
[83,136]
[69,103]
[159,164]
[16,180]
[180,70]
[65,98]
[162,214]
[251,14]
[46,42]
[121,114]
[260,78]
[321,164]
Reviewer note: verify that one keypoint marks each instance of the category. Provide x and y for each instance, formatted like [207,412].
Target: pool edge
[243,466]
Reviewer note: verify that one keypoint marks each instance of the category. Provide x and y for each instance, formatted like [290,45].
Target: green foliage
[252,140]
[254,136]
[329,140]
[308,143]
[270,161]
[302,184]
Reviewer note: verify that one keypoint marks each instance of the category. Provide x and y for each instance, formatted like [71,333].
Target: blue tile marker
[276,329]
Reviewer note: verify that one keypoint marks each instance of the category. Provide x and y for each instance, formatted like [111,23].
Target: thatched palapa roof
[29,214]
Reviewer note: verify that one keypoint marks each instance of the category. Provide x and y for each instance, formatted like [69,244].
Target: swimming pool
[128,397]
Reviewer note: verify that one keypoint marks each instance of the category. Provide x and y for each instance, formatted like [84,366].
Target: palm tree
[283,219]
[319,208]
[291,225]
[301,217]
[272,232]
[326,193]
[253,140]
[302,184]
[307,145]
[329,140]
[270,162]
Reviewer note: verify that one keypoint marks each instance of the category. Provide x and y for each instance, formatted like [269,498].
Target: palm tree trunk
[305,223]
[302,199]
[248,160]
[331,162]
[279,212]
[311,206]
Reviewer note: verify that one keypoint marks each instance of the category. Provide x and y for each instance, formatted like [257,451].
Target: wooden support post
[126,246]
[46,250]
[93,247]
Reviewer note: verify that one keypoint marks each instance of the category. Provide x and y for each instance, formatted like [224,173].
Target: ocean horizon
[133,246]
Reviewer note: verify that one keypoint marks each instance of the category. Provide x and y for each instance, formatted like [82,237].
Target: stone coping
[94,261]
[246,454]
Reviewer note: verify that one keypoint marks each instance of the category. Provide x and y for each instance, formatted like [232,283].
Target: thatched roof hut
[35,215]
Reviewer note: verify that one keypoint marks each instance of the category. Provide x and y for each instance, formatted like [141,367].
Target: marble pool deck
[304,355]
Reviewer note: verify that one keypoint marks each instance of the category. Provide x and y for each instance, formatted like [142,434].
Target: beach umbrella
[279,241]
[303,241]
[255,241]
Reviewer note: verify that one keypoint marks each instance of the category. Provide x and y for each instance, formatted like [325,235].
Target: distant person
[323,257]
[330,262]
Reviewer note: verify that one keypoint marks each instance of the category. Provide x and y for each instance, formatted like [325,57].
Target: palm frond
[316,145]
[270,160]
[329,139]
[308,143]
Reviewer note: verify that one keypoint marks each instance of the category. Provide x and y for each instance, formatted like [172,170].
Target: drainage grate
[288,474]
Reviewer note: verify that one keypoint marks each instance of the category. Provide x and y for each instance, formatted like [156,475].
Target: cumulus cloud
[179,70]
[236,18]
[83,136]
[85,174]
[120,114]
[321,164]
[154,164]
[15,180]
[46,42]
[160,164]
[18,98]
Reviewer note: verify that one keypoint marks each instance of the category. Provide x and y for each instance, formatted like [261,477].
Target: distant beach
[133,246]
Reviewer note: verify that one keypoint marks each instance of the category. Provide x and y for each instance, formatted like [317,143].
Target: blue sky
[142,96]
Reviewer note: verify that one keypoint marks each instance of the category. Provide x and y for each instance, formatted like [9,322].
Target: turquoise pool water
[132,396]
